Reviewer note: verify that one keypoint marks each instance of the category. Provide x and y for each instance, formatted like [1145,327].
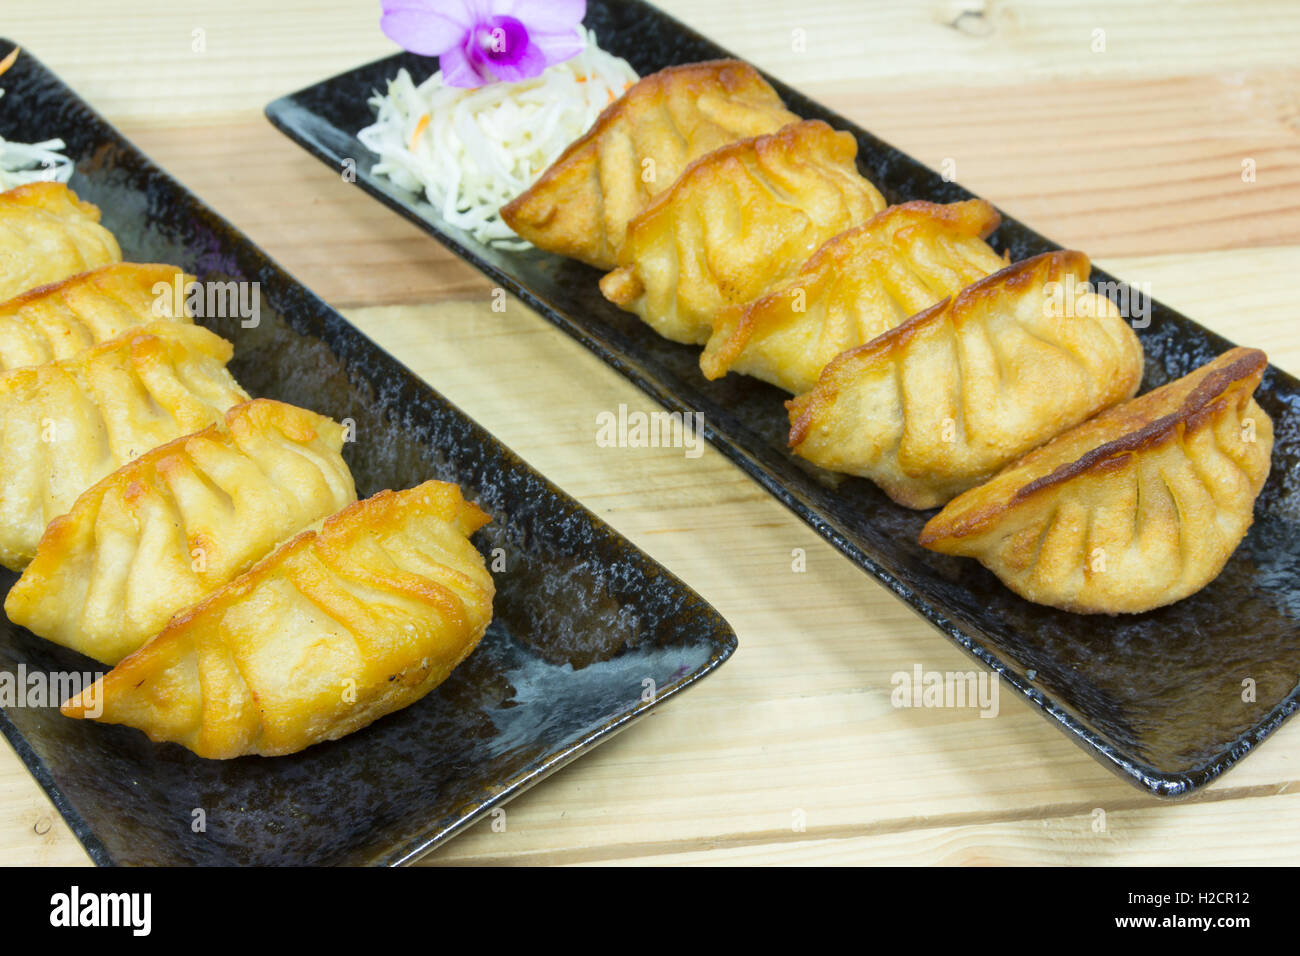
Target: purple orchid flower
[484,41]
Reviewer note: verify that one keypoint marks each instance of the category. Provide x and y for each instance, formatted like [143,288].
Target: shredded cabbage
[470,151]
[29,162]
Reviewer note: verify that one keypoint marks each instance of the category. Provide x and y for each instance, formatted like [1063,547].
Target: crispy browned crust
[1038,270]
[43,600]
[54,234]
[141,346]
[1208,389]
[296,423]
[105,278]
[336,534]
[621,286]
[50,196]
[973,217]
[536,207]
[792,139]
[727,72]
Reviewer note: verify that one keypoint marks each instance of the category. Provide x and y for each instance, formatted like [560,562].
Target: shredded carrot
[582,79]
[9,60]
[420,127]
[611,95]
[627,86]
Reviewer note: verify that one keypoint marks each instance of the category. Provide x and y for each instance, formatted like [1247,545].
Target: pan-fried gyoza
[48,234]
[861,283]
[938,404]
[736,222]
[1131,510]
[581,205]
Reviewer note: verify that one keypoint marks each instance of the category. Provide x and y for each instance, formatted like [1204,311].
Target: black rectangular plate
[583,620]
[1157,697]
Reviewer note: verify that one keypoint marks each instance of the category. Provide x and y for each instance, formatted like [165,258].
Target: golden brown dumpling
[48,234]
[861,283]
[169,528]
[65,425]
[938,404]
[581,205]
[737,222]
[1134,509]
[332,631]
[57,321]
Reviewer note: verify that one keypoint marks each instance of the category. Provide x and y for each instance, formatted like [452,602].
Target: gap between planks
[651,849]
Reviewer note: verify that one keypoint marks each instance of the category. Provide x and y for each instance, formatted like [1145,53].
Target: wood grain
[1133,155]
[1128,185]
[1151,836]
[136,59]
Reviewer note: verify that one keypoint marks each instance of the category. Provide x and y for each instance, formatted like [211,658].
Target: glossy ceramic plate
[583,620]
[1157,696]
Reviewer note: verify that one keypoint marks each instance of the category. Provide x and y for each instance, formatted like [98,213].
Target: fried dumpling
[330,632]
[735,223]
[166,530]
[1132,510]
[861,283]
[581,205]
[67,424]
[48,234]
[57,321]
[938,404]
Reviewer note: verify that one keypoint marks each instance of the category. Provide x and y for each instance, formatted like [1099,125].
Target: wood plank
[1155,195]
[1116,168]
[1237,833]
[115,55]
[31,831]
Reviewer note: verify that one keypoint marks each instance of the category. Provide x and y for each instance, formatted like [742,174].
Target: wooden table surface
[1133,152]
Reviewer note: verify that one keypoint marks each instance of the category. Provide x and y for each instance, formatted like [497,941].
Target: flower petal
[531,63]
[499,41]
[481,10]
[546,16]
[459,70]
[426,27]
[558,47]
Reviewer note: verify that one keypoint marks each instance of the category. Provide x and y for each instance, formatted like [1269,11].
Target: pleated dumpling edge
[1137,508]
[335,629]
